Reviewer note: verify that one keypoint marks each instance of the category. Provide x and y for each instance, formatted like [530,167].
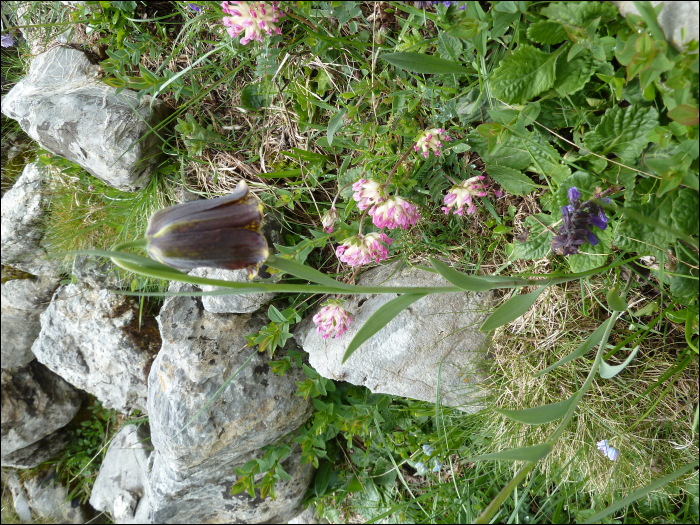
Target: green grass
[242,112]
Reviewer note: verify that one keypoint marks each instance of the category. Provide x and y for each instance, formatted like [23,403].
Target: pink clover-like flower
[329,219]
[462,194]
[431,140]
[367,193]
[394,212]
[252,18]
[332,320]
[363,249]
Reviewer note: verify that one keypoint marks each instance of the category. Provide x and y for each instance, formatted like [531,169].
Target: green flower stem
[139,243]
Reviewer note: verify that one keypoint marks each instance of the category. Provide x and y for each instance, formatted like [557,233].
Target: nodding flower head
[577,219]
[333,320]
[252,18]
[363,249]
[421,469]
[394,212]
[367,193]
[329,219]
[609,452]
[462,194]
[215,233]
[431,140]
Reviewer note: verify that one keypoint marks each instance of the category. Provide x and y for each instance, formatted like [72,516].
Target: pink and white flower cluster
[329,219]
[363,249]
[332,320]
[431,140]
[367,193]
[462,194]
[394,212]
[253,18]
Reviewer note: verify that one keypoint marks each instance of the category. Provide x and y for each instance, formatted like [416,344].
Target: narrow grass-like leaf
[280,174]
[641,492]
[469,283]
[335,124]
[585,347]
[303,272]
[511,309]
[539,415]
[420,63]
[608,372]
[379,320]
[533,453]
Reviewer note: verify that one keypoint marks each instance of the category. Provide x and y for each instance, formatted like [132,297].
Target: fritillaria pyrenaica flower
[217,233]
[332,320]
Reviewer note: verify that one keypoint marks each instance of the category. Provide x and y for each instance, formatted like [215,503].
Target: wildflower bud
[329,219]
[609,452]
[430,140]
[421,469]
[217,233]
[367,193]
[332,320]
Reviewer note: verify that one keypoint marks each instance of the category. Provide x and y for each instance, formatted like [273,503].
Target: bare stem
[391,173]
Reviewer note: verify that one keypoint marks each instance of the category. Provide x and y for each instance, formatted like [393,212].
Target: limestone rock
[222,304]
[91,338]
[23,300]
[35,454]
[435,337]
[35,403]
[23,210]
[200,352]
[204,495]
[673,19]
[120,486]
[48,499]
[19,497]
[68,110]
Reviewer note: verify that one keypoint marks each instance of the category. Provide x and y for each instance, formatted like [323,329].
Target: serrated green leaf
[427,64]
[335,124]
[471,283]
[644,236]
[547,32]
[541,414]
[449,47]
[685,283]
[533,453]
[585,182]
[511,309]
[380,319]
[573,75]
[579,14]
[546,160]
[685,213]
[537,245]
[512,180]
[608,372]
[622,131]
[590,256]
[524,74]
[517,159]
[591,341]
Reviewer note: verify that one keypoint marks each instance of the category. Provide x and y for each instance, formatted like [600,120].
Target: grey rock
[91,338]
[203,495]
[96,273]
[23,212]
[63,105]
[35,403]
[23,300]
[48,499]
[305,518]
[19,497]
[35,454]
[200,352]
[121,482]
[223,304]
[673,19]
[437,337]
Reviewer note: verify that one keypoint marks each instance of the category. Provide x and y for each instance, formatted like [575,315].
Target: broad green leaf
[615,301]
[685,282]
[685,213]
[517,159]
[642,233]
[585,182]
[651,487]
[449,47]
[322,477]
[608,372]
[590,342]
[380,319]
[470,283]
[541,414]
[684,114]
[335,124]
[579,14]
[533,453]
[511,309]
[512,180]
[547,32]
[524,74]
[420,63]
[573,75]
[536,246]
[622,131]
[590,256]
[546,160]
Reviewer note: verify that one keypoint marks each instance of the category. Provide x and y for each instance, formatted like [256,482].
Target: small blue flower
[577,218]
[427,449]
[195,7]
[6,41]
[437,466]
[609,452]
[573,194]
[421,469]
